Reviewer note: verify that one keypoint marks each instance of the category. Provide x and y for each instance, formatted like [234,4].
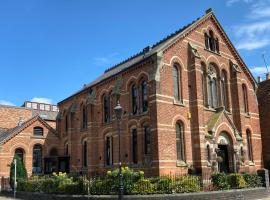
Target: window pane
[134,100]
[134,146]
[144,96]
[38,131]
[37,159]
[180,142]
[176,83]
[147,140]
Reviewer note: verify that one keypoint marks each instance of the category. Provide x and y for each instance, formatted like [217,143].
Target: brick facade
[205,130]
[21,136]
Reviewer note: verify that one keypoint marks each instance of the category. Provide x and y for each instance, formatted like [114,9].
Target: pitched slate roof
[10,133]
[151,50]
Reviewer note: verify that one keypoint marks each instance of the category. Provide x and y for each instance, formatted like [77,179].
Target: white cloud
[252,44]
[7,103]
[258,71]
[231,2]
[42,100]
[252,36]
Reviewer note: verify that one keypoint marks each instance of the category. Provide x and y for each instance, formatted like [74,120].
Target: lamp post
[118,112]
[15,177]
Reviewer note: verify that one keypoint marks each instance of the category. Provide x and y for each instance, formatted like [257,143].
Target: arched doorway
[20,153]
[225,153]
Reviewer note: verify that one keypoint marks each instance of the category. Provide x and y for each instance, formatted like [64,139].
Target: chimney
[259,79]
[267,76]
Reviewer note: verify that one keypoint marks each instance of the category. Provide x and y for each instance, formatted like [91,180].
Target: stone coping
[249,193]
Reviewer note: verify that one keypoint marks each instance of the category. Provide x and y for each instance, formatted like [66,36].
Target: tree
[20,170]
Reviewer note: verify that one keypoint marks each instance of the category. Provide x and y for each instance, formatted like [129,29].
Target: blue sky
[49,49]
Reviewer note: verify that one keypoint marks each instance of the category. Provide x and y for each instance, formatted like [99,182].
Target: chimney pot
[259,79]
[267,76]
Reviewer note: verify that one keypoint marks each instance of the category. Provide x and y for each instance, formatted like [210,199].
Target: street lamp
[118,112]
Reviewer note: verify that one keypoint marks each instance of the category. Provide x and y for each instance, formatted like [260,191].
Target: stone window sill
[178,103]
[181,163]
[209,109]
[214,52]
[251,163]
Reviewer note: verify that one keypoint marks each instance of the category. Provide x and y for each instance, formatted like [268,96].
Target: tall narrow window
[37,159]
[249,146]
[106,107]
[66,149]
[84,117]
[224,91]
[66,123]
[38,131]
[19,153]
[212,87]
[204,85]
[206,40]
[180,146]
[144,96]
[245,98]
[176,83]
[134,146]
[212,41]
[208,151]
[147,140]
[109,150]
[85,153]
[134,96]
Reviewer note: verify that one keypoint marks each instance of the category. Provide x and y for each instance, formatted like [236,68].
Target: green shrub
[236,181]
[164,185]
[187,184]
[130,177]
[220,181]
[253,180]
[21,173]
[144,186]
[100,186]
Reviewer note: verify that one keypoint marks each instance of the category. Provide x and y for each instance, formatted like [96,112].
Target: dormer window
[211,42]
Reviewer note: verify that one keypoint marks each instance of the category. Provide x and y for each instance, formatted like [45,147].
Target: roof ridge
[146,49]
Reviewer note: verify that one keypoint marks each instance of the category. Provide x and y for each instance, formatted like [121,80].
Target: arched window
[249,146]
[180,144]
[211,43]
[134,99]
[144,96]
[176,83]
[37,159]
[85,153]
[84,117]
[134,146]
[212,87]
[147,140]
[245,98]
[38,131]
[106,108]
[224,90]
[109,150]
[208,151]
[19,153]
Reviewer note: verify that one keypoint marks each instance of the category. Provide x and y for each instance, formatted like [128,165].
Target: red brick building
[263,94]
[187,99]
[29,132]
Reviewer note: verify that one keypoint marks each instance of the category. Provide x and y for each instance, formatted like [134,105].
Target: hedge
[134,183]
